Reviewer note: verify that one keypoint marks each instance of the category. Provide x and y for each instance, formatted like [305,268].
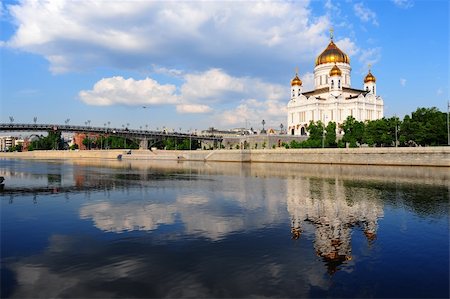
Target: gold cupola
[370,78]
[335,71]
[332,54]
[296,81]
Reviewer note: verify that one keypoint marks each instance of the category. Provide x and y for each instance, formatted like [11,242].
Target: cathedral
[333,98]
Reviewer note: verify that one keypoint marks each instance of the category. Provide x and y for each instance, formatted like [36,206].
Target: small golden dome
[332,54]
[370,78]
[335,71]
[296,81]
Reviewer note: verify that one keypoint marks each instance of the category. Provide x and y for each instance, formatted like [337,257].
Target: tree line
[424,127]
[54,140]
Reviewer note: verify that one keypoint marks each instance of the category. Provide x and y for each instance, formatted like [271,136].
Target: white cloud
[370,56]
[308,81]
[211,84]
[348,46]
[74,35]
[117,90]
[402,81]
[199,93]
[252,111]
[439,91]
[403,3]
[193,108]
[166,71]
[365,14]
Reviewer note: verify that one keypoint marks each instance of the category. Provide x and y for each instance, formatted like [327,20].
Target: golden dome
[296,81]
[335,71]
[332,54]
[370,78]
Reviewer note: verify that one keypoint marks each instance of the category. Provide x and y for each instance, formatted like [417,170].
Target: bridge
[142,135]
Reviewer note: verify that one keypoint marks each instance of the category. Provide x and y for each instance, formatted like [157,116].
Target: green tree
[53,140]
[353,131]
[380,132]
[330,137]
[426,126]
[316,131]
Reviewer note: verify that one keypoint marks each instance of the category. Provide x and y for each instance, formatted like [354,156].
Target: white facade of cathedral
[333,98]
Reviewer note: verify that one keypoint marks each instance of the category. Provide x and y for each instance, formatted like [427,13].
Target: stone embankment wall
[418,156]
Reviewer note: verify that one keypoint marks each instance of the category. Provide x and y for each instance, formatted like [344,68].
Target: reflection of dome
[296,81]
[296,232]
[371,236]
[332,54]
[335,71]
[370,78]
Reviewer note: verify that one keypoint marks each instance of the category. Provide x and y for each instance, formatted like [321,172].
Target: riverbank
[417,156]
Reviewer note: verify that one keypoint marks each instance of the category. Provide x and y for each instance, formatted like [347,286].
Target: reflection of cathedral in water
[333,209]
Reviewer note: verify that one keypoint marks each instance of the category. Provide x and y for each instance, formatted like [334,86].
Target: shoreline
[408,156]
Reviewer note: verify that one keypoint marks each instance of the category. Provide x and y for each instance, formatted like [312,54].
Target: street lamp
[263,123]
[11,119]
[396,137]
[35,119]
[323,131]
[323,137]
[281,128]
[190,139]
[448,126]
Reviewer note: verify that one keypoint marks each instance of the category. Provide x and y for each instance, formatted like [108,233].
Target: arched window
[332,83]
[367,88]
[292,132]
[302,131]
[373,89]
[339,83]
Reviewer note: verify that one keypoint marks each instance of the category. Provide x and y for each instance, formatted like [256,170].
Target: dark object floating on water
[119,157]
[1,183]
[2,179]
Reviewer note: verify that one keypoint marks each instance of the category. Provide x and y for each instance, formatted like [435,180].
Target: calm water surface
[147,229]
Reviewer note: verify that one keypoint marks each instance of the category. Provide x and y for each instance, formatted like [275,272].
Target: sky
[191,65]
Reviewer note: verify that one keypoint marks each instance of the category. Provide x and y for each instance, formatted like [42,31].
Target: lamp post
[323,137]
[396,136]
[11,119]
[263,123]
[448,124]
[124,139]
[35,119]
[281,128]
[323,131]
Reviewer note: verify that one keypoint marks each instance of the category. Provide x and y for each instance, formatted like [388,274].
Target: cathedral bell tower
[296,86]
[370,83]
[335,81]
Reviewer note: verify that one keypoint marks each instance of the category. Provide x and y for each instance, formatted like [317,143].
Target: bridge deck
[104,130]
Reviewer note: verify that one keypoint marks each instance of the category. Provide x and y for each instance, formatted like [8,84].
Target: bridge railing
[104,130]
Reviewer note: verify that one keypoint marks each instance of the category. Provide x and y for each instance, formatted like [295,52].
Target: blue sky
[194,65]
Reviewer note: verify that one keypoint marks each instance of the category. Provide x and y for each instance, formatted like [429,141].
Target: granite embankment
[418,156]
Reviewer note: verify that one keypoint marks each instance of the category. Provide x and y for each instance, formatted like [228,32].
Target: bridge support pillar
[143,144]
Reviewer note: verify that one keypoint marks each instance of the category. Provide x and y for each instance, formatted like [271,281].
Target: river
[102,229]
